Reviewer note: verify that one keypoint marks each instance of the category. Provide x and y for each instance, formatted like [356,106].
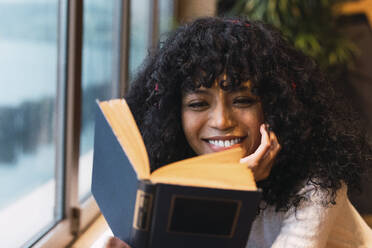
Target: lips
[225,142]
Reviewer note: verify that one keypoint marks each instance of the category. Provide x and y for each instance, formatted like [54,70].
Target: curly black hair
[321,137]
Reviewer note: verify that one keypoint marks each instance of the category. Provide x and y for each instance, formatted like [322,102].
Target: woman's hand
[262,160]
[114,242]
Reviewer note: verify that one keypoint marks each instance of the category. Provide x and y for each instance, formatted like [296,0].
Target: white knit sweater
[312,226]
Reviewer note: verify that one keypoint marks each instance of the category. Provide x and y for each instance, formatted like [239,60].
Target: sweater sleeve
[311,224]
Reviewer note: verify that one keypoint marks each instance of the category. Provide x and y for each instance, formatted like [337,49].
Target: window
[139,33]
[28,119]
[57,58]
[100,35]
[166,18]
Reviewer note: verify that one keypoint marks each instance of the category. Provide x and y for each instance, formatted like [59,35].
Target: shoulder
[312,221]
[309,224]
[318,205]
[316,196]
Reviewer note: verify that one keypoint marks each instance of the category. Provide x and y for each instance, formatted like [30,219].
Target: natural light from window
[28,64]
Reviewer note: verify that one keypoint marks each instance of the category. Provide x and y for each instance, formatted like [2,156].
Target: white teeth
[225,143]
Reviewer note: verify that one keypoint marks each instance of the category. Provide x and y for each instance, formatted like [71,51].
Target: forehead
[244,86]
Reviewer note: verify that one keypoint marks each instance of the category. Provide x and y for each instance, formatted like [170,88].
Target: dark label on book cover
[204,216]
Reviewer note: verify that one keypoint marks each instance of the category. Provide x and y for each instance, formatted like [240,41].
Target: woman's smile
[220,143]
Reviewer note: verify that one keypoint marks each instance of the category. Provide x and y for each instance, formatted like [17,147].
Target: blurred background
[58,56]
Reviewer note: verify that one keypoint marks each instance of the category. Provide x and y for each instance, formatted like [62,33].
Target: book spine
[142,214]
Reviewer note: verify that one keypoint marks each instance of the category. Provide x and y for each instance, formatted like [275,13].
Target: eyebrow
[205,91]
[198,91]
[241,88]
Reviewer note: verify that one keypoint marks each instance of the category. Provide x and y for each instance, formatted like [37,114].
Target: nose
[222,118]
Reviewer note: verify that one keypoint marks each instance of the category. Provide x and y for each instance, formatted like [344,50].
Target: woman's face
[214,119]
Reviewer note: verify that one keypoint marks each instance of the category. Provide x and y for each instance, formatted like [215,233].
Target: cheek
[191,126]
[253,127]
[251,122]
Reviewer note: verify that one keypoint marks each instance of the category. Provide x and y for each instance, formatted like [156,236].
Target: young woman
[221,82]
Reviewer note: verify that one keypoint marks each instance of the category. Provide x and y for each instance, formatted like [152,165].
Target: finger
[272,144]
[114,242]
[274,149]
[255,157]
[275,146]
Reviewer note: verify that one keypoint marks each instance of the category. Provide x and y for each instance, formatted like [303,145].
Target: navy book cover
[146,214]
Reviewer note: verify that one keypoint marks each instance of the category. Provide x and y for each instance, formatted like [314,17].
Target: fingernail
[262,127]
[265,127]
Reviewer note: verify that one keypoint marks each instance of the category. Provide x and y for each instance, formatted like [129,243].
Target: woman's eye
[244,101]
[197,105]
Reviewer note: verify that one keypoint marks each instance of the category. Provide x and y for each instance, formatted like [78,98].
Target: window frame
[74,217]
[70,27]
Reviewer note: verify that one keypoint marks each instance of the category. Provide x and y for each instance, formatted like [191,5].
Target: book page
[125,129]
[216,170]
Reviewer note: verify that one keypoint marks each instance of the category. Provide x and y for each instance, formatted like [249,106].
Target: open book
[205,201]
